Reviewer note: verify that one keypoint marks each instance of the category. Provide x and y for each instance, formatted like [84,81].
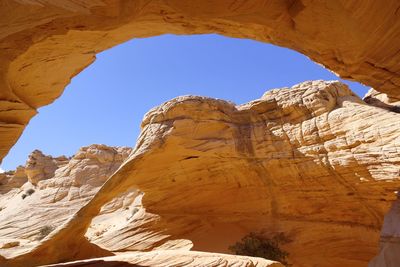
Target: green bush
[258,245]
[30,191]
[45,231]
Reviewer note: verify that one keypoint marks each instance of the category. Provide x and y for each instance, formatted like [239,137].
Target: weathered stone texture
[358,40]
[313,161]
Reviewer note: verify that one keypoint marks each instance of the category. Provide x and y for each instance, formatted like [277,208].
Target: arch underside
[46,43]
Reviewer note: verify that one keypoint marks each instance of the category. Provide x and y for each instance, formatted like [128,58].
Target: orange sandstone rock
[173,258]
[358,40]
[56,189]
[313,161]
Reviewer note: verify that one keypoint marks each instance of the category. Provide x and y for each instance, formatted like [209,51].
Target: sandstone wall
[47,191]
[313,161]
[44,43]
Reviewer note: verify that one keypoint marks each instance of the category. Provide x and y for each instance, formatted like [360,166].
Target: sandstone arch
[45,43]
[296,160]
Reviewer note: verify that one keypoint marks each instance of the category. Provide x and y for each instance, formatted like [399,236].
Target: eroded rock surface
[173,258]
[49,191]
[313,161]
[356,39]
[40,167]
[12,179]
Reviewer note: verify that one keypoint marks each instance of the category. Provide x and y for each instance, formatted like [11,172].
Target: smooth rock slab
[172,258]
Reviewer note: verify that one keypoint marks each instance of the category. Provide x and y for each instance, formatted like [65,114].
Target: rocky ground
[47,191]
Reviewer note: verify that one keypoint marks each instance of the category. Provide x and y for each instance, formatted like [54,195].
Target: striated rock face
[11,180]
[358,40]
[173,258]
[56,189]
[40,167]
[313,161]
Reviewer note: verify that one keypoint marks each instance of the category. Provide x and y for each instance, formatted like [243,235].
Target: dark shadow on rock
[378,103]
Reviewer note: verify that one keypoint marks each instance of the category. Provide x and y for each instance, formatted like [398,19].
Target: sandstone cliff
[12,179]
[50,190]
[358,40]
[27,218]
[172,258]
[313,161]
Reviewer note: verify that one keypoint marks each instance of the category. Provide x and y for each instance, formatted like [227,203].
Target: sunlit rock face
[356,39]
[173,258]
[313,161]
[12,179]
[42,195]
[40,167]
[324,174]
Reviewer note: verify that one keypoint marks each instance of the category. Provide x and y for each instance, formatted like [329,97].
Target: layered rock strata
[172,258]
[40,196]
[40,167]
[313,161]
[358,40]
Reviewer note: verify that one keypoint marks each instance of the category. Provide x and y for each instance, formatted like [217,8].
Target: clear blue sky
[106,102]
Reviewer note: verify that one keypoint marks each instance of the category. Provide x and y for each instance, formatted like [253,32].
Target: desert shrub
[45,231]
[258,245]
[30,191]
